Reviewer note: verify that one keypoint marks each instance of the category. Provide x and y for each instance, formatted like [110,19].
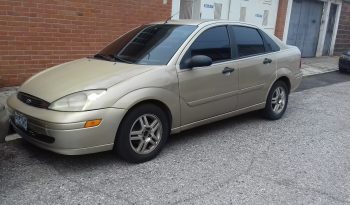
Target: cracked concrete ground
[303,158]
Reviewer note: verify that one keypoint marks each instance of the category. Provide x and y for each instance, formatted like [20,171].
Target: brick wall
[37,34]
[281,18]
[342,42]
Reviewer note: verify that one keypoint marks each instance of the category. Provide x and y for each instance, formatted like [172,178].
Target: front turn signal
[92,123]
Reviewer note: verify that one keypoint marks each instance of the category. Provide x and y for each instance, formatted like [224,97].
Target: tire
[142,133]
[278,96]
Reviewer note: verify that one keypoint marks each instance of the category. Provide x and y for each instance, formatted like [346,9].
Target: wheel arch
[166,100]
[286,80]
[159,104]
[283,78]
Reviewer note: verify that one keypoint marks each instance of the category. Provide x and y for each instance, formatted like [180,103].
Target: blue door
[304,26]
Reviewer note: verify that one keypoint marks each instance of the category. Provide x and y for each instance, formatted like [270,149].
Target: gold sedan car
[155,80]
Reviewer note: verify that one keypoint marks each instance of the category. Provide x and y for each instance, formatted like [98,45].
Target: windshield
[148,44]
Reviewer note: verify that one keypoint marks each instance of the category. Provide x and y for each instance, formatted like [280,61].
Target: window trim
[183,53]
[195,34]
[265,41]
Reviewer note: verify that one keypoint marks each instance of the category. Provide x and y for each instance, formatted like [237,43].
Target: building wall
[281,18]
[35,35]
[342,42]
[236,10]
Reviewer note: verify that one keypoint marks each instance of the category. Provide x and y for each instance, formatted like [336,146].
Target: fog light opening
[92,123]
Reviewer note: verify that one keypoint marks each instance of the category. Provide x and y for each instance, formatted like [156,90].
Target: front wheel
[277,101]
[142,133]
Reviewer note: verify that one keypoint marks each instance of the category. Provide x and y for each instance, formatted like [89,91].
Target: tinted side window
[248,41]
[270,45]
[213,42]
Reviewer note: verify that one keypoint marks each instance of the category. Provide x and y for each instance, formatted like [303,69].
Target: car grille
[31,133]
[32,101]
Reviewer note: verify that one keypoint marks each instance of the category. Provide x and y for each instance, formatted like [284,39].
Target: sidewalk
[324,64]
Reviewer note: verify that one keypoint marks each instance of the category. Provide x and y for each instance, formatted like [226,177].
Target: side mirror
[199,61]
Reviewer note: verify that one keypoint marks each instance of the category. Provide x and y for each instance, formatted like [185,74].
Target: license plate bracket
[21,121]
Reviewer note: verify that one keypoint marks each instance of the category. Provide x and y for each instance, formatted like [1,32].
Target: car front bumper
[64,132]
[344,63]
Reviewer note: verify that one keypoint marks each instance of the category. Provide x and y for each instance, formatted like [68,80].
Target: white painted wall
[231,11]
[175,9]
[255,11]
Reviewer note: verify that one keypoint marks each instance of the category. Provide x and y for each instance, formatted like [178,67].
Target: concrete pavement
[314,66]
[303,158]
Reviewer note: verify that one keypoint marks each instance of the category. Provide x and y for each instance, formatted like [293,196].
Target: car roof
[203,22]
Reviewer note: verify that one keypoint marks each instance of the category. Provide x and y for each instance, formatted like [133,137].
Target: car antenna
[166,21]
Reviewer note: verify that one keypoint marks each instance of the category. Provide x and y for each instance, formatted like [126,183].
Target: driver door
[212,90]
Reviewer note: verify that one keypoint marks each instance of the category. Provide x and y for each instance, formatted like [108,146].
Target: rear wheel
[277,101]
[142,133]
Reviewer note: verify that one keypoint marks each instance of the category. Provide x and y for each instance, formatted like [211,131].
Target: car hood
[79,75]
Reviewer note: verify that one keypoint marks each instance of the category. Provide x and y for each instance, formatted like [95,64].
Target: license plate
[21,121]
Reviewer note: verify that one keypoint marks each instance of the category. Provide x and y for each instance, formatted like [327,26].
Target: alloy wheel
[145,134]
[278,100]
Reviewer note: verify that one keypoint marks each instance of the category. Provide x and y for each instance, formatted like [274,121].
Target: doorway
[304,26]
[330,29]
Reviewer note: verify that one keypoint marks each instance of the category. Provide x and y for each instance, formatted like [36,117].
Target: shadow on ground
[90,161]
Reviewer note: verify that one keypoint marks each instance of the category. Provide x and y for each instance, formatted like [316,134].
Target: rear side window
[248,41]
[213,42]
[270,45]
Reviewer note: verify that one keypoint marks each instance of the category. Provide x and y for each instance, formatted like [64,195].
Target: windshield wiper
[104,57]
[118,58]
[113,58]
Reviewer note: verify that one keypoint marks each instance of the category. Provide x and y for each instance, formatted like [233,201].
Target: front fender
[168,98]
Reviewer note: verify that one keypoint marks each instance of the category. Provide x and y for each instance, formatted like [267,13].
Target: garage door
[304,26]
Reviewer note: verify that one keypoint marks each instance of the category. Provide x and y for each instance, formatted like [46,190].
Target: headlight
[77,101]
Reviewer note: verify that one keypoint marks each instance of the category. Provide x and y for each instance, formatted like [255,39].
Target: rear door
[255,62]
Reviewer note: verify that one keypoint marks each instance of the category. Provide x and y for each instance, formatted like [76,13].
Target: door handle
[227,70]
[267,60]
